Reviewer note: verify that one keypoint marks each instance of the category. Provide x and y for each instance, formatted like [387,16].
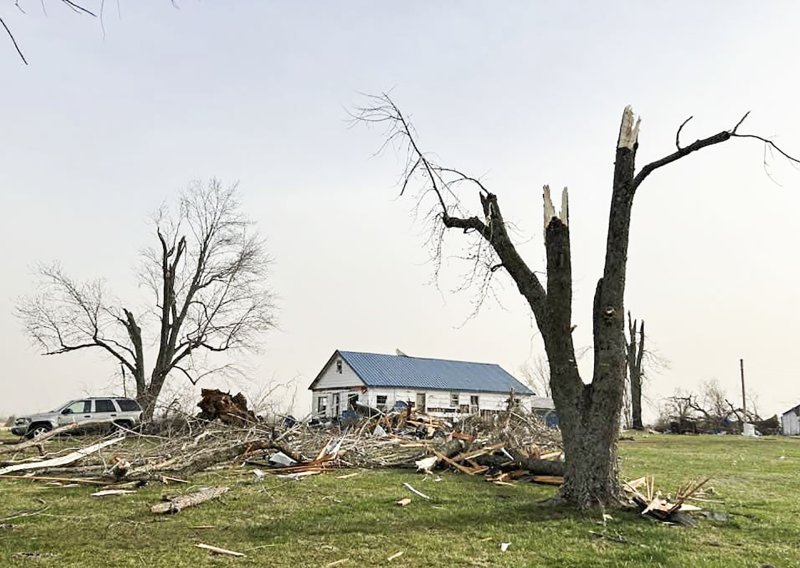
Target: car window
[128,405]
[78,407]
[104,405]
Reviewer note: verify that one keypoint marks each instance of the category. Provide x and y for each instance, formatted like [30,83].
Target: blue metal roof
[399,371]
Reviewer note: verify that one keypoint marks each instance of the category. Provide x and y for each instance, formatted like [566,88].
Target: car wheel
[38,429]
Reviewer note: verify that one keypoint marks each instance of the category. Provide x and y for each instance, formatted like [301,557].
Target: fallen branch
[111,492]
[63,460]
[19,515]
[19,446]
[415,492]
[200,460]
[58,479]
[177,504]
[218,550]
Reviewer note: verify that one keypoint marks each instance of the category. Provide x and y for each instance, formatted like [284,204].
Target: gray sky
[99,131]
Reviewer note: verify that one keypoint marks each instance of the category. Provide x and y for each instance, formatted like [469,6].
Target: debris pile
[218,405]
[665,508]
[504,447]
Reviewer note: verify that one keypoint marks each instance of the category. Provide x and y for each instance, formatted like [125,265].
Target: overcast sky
[102,128]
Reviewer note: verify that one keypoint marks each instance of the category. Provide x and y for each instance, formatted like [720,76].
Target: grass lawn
[323,519]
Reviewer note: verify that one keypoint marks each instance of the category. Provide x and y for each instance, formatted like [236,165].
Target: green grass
[323,519]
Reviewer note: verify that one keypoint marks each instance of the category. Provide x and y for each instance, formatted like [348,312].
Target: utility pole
[744,400]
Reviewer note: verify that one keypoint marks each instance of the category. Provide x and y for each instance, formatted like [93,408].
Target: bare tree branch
[717,138]
[14,41]
[678,134]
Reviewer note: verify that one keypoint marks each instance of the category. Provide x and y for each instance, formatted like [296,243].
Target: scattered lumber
[62,460]
[180,502]
[653,504]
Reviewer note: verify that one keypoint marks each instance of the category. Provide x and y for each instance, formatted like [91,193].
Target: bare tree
[207,280]
[589,414]
[536,374]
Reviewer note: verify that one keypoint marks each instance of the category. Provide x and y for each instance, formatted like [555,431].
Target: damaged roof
[401,371]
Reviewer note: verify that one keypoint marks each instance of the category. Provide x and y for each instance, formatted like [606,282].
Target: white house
[790,422]
[436,386]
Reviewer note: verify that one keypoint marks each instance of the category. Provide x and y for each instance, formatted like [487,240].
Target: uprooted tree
[589,413]
[206,278]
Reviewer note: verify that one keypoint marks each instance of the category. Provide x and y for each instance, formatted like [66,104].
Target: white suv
[124,412]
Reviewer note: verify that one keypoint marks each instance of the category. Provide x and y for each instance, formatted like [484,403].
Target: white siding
[440,399]
[332,379]
[790,424]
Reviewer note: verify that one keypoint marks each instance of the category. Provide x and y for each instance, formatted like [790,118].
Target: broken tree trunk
[635,353]
[63,460]
[533,465]
[177,504]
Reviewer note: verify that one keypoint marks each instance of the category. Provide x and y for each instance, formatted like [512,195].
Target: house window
[474,403]
[352,399]
[339,366]
[322,404]
[380,401]
[454,399]
[336,406]
[420,402]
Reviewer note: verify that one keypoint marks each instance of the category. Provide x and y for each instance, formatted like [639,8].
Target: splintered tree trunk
[589,414]
[636,401]
[635,353]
